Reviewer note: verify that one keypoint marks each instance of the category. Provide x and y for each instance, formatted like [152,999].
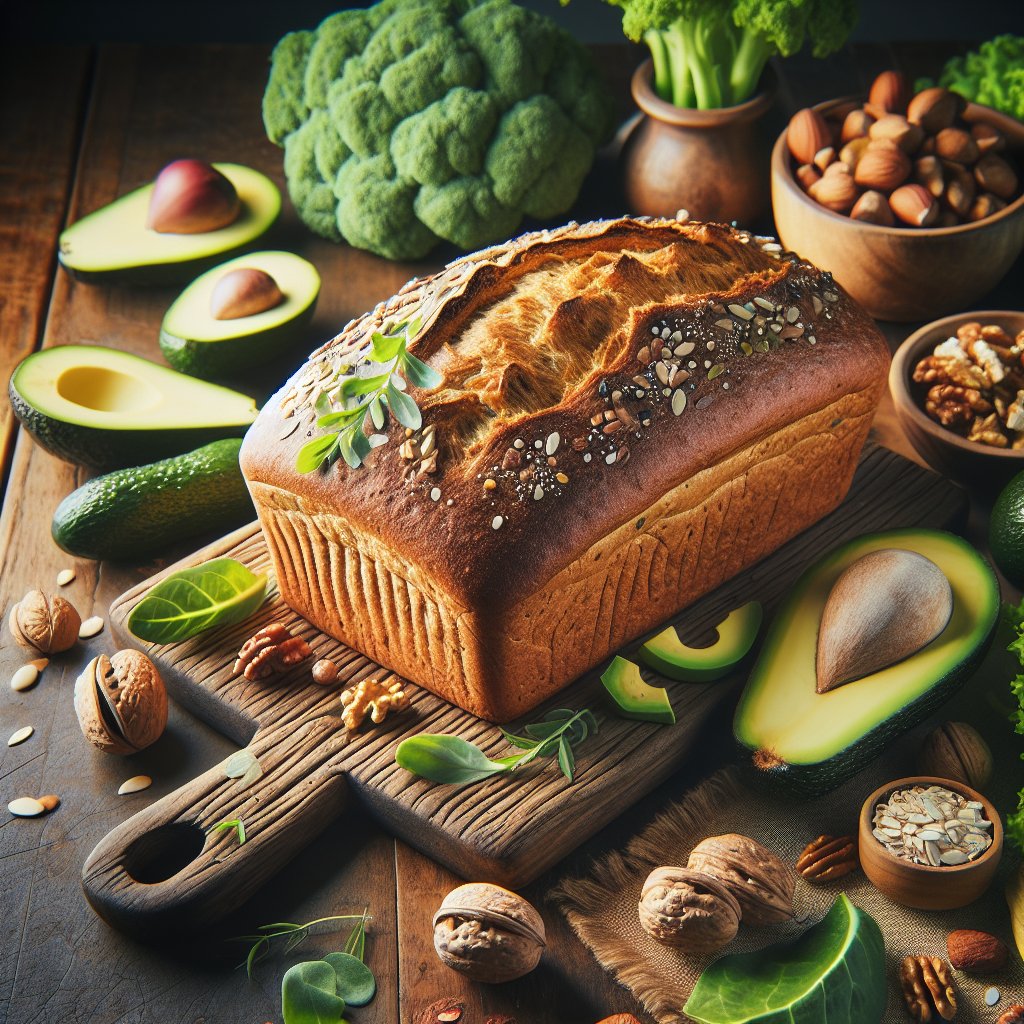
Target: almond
[984,206]
[873,207]
[837,192]
[934,109]
[988,138]
[851,153]
[896,128]
[807,135]
[824,157]
[890,92]
[928,172]
[807,175]
[957,145]
[976,952]
[882,167]
[995,175]
[914,205]
[856,125]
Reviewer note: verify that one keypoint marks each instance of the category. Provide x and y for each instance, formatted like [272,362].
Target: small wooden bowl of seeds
[930,843]
[960,420]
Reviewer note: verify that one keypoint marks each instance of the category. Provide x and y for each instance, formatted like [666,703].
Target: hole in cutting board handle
[160,854]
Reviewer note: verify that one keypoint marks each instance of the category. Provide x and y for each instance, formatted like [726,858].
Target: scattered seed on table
[26,807]
[65,576]
[20,735]
[992,996]
[135,784]
[50,802]
[39,663]
[90,628]
[25,678]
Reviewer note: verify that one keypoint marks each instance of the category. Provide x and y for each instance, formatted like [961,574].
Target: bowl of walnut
[958,387]
[913,202]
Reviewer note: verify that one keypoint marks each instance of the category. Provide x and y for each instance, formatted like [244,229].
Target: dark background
[181,21]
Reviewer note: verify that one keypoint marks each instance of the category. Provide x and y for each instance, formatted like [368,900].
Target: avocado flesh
[194,341]
[107,409]
[667,654]
[633,697]
[114,239]
[815,741]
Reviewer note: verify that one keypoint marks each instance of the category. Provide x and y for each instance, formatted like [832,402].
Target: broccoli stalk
[711,53]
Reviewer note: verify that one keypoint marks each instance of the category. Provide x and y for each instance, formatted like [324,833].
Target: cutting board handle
[167,870]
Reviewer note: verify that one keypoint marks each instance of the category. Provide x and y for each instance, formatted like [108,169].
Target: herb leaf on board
[309,994]
[217,593]
[235,824]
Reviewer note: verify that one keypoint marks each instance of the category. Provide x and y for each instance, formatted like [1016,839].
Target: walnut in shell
[488,933]
[49,625]
[761,882]
[688,910]
[121,702]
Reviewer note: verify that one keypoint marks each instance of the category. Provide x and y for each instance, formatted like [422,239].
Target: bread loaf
[632,411]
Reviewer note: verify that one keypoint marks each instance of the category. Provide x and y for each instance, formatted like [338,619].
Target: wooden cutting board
[162,868]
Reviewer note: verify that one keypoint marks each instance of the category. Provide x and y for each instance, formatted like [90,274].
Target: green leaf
[543,730]
[447,759]
[338,419]
[353,386]
[244,766]
[313,454]
[405,409]
[309,994]
[523,742]
[236,824]
[217,593]
[376,410]
[355,981]
[420,375]
[386,346]
[566,760]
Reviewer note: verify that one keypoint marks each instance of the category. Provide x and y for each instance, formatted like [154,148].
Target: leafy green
[309,994]
[711,53]
[993,74]
[832,974]
[455,761]
[235,824]
[293,934]
[355,981]
[362,395]
[244,766]
[216,593]
[1014,615]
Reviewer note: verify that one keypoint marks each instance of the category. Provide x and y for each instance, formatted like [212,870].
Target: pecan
[928,988]
[950,370]
[273,649]
[828,858]
[371,697]
[988,430]
[955,406]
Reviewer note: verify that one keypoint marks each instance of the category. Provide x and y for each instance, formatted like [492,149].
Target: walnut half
[689,910]
[927,988]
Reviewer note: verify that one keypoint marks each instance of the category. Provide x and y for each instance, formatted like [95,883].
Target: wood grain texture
[508,829]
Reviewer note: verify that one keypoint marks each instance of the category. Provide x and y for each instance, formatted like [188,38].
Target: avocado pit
[244,292]
[191,197]
[883,608]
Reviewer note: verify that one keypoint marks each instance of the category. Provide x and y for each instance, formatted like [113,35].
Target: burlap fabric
[602,907]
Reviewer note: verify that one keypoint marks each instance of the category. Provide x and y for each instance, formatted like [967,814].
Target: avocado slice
[667,654]
[633,697]
[811,742]
[107,409]
[194,341]
[113,242]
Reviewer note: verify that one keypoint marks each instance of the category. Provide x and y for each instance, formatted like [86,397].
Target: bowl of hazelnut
[914,202]
[958,388]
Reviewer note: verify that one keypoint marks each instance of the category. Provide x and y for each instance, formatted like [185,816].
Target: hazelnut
[985,206]
[889,91]
[988,138]
[914,205]
[851,153]
[995,175]
[50,625]
[761,882]
[897,129]
[855,126]
[934,109]
[928,172]
[807,175]
[882,167]
[957,751]
[959,192]
[121,702]
[837,192]
[956,144]
[976,952]
[873,208]
[946,219]
[691,911]
[488,933]
[325,672]
[807,134]
[824,158]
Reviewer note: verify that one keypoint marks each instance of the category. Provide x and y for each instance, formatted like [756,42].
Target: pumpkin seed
[25,678]
[678,402]
[64,577]
[135,784]
[26,807]
[20,735]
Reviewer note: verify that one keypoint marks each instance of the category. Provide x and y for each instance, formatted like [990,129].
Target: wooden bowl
[949,452]
[920,885]
[901,273]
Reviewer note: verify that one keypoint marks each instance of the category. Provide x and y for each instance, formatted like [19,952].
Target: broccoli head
[414,121]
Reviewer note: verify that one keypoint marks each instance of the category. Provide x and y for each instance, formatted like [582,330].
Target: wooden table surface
[78,127]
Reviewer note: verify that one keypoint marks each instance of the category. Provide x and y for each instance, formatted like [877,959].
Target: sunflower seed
[91,627]
[685,349]
[992,996]
[135,784]
[678,401]
[765,304]
[26,807]
[25,678]
[726,325]
[741,311]
[496,523]
[20,735]
[551,445]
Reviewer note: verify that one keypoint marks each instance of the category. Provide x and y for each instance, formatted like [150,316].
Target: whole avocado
[1006,531]
[134,513]
[414,121]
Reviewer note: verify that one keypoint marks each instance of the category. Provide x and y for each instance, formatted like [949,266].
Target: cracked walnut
[374,698]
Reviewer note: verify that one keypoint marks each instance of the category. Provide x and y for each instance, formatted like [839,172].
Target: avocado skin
[155,275]
[1006,531]
[812,780]
[133,513]
[103,450]
[215,360]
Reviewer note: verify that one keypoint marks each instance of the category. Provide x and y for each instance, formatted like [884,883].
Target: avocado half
[810,742]
[107,409]
[633,697]
[113,242]
[667,654]
[194,341]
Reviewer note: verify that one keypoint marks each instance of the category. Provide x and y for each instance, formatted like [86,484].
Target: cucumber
[134,513]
